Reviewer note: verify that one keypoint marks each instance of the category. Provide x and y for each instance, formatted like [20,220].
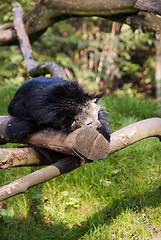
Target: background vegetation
[100,54]
[115,198]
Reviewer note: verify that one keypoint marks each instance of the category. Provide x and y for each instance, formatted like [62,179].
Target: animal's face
[88,116]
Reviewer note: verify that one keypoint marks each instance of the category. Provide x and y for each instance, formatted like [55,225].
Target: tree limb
[22,36]
[119,139]
[28,156]
[37,156]
[46,13]
[85,142]
[134,133]
[47,67]
[22,184]
[149,6]
[42,68]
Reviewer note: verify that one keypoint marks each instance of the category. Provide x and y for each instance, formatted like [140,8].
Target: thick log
[46,13]
[87,142]
[81,142]
[38,156]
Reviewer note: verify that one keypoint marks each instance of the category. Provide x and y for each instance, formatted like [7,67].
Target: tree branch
[119,139]
[85,142]
[149,6]
[42,68]
[134,133]
[28,156]
[22,36]
[46,13]
[37,156]
[48,67]
[21,185]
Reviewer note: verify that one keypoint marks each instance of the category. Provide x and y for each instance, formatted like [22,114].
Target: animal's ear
[97,97]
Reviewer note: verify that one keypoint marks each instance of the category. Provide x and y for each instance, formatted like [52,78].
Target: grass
[115,198]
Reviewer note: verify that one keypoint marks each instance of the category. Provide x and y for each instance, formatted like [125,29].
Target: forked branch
[119,139]
[33,70]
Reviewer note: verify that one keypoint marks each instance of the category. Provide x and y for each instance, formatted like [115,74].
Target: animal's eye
[89,123]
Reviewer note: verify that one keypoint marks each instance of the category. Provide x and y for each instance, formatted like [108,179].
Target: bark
[22,37]
[134,133]
[158,68]
[28,156]
[42,68]
[21,185]
[139,13]
[149,6]
[85,142]
[47,67]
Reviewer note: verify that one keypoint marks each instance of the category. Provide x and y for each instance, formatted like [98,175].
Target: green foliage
[11,68]
[6,9]
[90,50]
[115,198]
[91,53]
[136,51]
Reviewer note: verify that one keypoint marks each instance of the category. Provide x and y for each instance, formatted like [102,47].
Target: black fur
[104,128]
[46,102]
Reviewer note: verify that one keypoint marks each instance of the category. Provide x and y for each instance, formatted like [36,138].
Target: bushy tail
[16,129]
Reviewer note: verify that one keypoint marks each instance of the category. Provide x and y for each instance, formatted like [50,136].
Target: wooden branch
[22,37]
[38,156]
[22,184]
[148,5]
[28,156]
[144,20]
[48,67]
[134,133]
[85,142]
[119,139]
[42,68]
[46,13]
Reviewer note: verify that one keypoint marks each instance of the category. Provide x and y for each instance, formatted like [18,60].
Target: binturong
[63,105]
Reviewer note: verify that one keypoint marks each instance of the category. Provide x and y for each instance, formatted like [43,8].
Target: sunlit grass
[115,198]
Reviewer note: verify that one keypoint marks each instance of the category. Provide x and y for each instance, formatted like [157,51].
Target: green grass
[115,198]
